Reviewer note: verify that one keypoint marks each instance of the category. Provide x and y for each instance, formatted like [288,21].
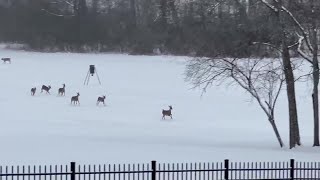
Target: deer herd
[75,99]
[62,91]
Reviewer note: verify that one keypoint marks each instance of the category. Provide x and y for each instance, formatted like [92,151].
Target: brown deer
[75,99]
[167,112]
[33,91]
[101,99]
[46,88]
[6,60]
[61,91]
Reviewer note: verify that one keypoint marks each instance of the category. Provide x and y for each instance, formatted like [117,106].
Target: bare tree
[310,54]
[276,7]
[261,78]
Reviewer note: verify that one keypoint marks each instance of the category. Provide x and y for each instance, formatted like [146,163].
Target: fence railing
[164,171]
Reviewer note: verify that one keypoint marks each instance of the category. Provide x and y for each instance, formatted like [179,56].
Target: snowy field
[46,129]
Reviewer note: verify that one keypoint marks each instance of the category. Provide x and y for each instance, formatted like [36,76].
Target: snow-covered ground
[46,129]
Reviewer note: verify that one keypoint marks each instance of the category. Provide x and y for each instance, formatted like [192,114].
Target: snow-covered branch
[55,14]
[304,32]
[269,5]
[293,45]
[65,1]
[304,55]
[214,6]
[267,44]
[69,3]
[298,24]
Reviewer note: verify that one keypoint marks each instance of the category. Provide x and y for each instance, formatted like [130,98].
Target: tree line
[178,27]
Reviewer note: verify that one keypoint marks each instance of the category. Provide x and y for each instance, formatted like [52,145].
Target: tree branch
[301,53]
[51,13]
[269,5]
[305,34]
[268,44]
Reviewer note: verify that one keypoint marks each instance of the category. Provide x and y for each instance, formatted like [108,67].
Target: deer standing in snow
[167,112]
[75,99]
[46,88]
[33,91]
[61,91]
[6,60]
[101,99]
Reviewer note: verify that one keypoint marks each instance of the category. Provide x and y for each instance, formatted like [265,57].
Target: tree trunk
[315,95]
[315,103]
[294,134]
[293,115]
[94,6]
[80,11]
[275,129]
[242,11]
[82,8]
[163,13]
[174,12]
[203,15]
[252,8]
[220,11]
[133,13]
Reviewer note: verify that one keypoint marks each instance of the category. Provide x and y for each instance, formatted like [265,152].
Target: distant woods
[180,27]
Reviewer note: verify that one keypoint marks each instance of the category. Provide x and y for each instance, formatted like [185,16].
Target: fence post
[226,169]
[292,169]
[73,170]
[154,170]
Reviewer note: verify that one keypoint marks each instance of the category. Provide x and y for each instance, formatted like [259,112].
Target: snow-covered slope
[224,123]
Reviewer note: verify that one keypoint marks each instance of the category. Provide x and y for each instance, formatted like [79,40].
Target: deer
[33,91]
[75,99]
[61,91]
[167,112]
[101,99]
[6,60]
[46,88]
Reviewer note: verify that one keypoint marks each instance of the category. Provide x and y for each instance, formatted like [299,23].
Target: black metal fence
[163,171]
